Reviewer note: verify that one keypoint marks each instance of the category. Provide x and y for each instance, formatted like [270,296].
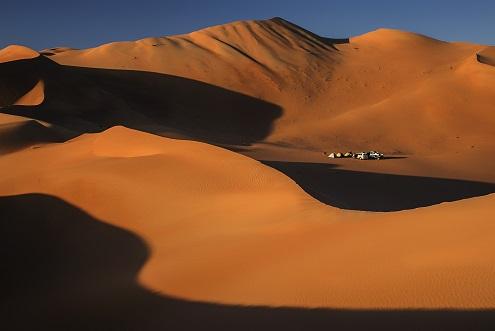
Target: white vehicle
[375,155]
[361,156]
[368,155]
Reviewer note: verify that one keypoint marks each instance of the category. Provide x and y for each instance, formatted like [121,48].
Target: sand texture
[179,182]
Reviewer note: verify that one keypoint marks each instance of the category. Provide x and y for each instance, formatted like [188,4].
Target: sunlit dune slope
[387,89]
[224,228]
[17,52]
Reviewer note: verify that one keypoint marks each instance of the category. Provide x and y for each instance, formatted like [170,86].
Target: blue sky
[81,24]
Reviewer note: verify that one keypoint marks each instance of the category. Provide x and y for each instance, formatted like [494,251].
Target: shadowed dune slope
[78,273]
[19,135]
[21,81]
[487,56]
[359,190]
[88,100]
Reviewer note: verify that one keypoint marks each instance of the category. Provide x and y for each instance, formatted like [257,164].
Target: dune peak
[17,52]
[119,141]
[386,35]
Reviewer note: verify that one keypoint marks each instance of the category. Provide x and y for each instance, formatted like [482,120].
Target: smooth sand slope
[387,85]
[224,228]
[88,162]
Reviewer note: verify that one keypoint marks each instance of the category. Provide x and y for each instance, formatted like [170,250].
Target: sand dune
[20,78]
[16,52]
[386,76]
[245,248]
[327,89]
[88,143]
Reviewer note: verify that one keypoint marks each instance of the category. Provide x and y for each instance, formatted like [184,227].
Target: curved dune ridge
[20,77]
[170,145]
[258,238]
[33,97]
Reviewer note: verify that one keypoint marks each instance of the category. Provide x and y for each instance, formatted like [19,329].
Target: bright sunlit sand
[171,182]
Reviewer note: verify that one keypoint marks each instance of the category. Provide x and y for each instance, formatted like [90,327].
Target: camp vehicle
[375,155]
[361,156]
[368,155]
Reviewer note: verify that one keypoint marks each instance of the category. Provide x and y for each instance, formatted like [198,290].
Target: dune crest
[388,37]
[16,52]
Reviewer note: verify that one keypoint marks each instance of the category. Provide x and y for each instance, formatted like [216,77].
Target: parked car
[361,155]
[368,155]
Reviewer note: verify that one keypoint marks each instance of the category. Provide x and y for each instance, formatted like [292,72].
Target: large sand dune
[328,88]
[112,223]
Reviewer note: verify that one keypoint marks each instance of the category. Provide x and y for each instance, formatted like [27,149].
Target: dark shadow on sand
[91,100]
[65,270]
[488,60]
[391,157]
[296,29]
[376,192]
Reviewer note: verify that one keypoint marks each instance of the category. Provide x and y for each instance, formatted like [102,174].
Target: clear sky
[86,23]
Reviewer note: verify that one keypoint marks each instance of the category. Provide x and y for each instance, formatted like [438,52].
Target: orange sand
[221,227]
